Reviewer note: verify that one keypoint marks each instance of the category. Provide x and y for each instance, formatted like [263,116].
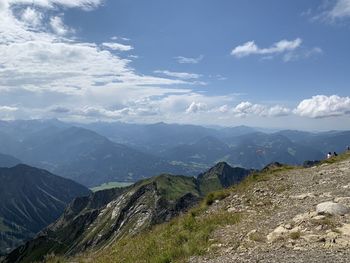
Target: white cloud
[187,60]
[196,107]
[32,17]
[247,108]
[303,54]
[8,109]
[84,4]
[179,75]
[341,9]
[224,108]
[120,38]
[58,26]
[250,48]
[330,11]
[322,106]
[40,68]
[8,112]
[278,110]
[117,46]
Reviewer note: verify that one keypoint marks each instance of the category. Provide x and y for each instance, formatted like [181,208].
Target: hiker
[335,154]
[329,155]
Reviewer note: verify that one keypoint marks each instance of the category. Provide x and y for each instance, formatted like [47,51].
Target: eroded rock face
[332,208]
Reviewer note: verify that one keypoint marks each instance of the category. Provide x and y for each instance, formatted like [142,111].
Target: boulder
[331,208]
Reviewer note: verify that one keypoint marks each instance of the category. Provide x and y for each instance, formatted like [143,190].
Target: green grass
[218,195]
[176,241]
[174,187]
[110,185]
[190,234]
[260,177]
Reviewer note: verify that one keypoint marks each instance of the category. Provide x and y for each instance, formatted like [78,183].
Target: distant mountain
[22,129]
[325,142]
[106,216]
[97,153]
[8,160]
[153,138]
[296,136]
[31,199]
[235,131]
[256,150]
[207,150]
[253,150]
[90,158]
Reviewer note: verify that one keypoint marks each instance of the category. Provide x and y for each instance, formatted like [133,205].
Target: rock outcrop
[332,208]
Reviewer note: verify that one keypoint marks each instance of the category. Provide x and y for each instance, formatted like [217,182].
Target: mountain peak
[222,175]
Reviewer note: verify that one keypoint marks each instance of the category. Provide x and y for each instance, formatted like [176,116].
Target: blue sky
[272,63]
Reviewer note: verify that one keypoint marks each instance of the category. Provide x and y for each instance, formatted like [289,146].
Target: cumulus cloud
[250,48]
[277,111]
[196,107]
[179,75]
[322,106]
[58,26]
[117,46]
[247,108]
[32,17]
[40,68]
[188,60]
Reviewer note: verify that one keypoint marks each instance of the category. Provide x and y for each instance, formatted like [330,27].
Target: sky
[276,64]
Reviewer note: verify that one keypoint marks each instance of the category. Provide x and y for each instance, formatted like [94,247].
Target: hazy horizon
[267,129]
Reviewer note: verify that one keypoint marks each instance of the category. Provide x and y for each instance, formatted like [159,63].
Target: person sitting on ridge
[335,154]
[329,155]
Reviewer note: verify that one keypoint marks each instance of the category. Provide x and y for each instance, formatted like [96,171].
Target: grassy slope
[187,235]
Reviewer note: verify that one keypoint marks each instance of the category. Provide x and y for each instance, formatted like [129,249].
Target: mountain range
[96,221]
[31,199]
[96,153]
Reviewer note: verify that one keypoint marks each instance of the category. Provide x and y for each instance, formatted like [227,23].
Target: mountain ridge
[31,199]
[102,218]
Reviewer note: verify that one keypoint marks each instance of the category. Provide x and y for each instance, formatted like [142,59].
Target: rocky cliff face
[94,222]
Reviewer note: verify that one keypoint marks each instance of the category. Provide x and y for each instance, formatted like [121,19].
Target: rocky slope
[282,214]
[288,215]
[95,222]
[31,199]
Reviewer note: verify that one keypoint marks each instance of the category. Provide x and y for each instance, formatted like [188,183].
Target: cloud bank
[321,106]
